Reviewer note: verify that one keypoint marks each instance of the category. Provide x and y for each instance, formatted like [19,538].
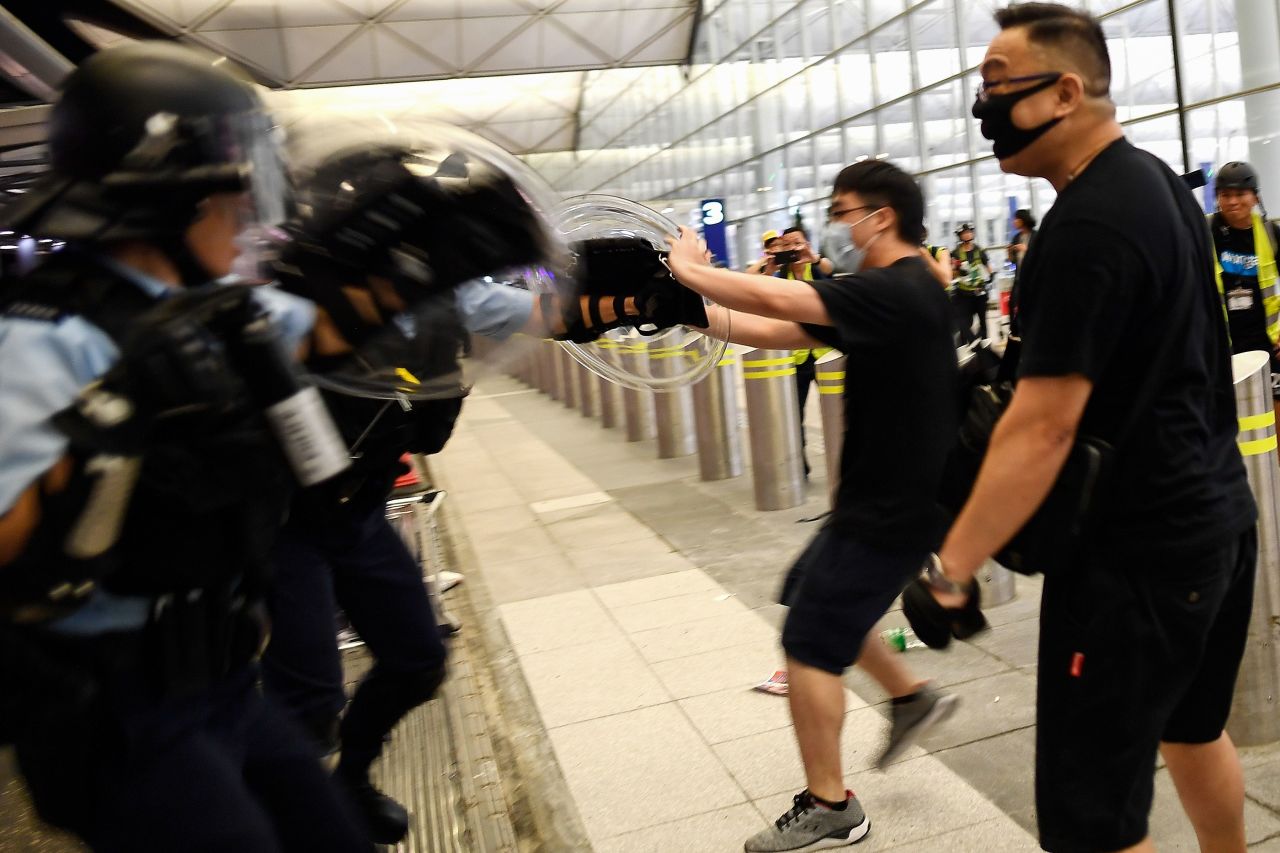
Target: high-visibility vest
[1267,277]
[800,356]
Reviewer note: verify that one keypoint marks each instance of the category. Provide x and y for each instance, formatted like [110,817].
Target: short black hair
[1072,31]
[1028,218]
[795,229]
[883,184]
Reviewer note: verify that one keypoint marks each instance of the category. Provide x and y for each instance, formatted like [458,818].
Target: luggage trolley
[415,518]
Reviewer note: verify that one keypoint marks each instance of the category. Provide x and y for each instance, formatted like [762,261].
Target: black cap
[1236,175]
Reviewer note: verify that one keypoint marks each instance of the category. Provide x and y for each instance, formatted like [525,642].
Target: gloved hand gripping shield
[658,337]
[391,218]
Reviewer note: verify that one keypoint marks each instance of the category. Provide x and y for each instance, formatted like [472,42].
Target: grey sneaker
[911,720]
[809,826]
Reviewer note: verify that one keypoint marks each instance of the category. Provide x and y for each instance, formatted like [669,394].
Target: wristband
[935,576]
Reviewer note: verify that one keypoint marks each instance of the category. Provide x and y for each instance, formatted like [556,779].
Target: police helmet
[1236,175]
[400,212]
[140,135]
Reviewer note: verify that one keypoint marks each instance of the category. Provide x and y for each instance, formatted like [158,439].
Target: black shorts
[837,590]
[1132,654]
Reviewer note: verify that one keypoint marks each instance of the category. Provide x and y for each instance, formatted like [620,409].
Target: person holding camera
[765,264]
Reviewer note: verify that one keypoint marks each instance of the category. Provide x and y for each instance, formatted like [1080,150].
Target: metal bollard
[610,392]
[829,376]
[568,378]
[1255,716]
[715,414]
[997,584]
[588,391]
[638,406]
[551,364]
[777,471]
[673,409]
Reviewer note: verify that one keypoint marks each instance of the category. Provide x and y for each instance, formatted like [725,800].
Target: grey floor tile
[733,667]
[1016,643]
[704,635]
[640,769]
[514,545]
[588,681]
[916,800]
[609,572]
[992,836]
[655,588]
[706,604]
[535,577]
[769,763]
[1002,769]
[478,500]
[557,621]
[736,713]
[721,830]
[988,706]
[499,522]
[610,526]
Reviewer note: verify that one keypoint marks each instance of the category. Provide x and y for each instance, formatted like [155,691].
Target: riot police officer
[400,220]
[140,484]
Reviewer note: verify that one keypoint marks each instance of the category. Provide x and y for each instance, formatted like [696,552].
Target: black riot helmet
[406,211]
[1236,175]
[140,135]
[424,218]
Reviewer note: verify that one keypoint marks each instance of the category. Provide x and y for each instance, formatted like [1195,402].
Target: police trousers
[357,562]
[220,769]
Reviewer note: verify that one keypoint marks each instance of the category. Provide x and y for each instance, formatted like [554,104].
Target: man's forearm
[1021,465]
[753,294]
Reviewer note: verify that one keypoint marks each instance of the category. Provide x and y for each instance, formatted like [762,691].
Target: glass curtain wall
[782,94]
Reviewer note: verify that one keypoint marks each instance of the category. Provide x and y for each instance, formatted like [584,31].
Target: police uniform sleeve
[1075,305]
[493,310]
[43,366]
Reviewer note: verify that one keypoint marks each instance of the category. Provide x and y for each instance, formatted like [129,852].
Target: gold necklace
[1080,167]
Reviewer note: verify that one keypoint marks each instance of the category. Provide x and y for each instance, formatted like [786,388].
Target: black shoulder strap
[70,285]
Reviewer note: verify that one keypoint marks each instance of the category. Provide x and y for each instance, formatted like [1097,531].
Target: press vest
[1267,276]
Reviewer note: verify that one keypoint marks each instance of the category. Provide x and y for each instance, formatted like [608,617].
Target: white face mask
[837,241]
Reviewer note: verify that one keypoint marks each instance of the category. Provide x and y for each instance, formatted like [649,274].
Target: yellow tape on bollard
[768,362]
[1255,448]
[1251,422]
[767,374]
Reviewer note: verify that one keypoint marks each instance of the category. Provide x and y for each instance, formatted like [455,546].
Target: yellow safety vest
[800,356]
[1267,276]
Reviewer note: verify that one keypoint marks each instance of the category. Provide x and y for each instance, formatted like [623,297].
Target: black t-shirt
[1246,314]
[900,393]
[1118,286]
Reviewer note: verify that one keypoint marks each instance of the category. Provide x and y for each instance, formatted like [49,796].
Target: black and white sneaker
[912,719]
[808,825]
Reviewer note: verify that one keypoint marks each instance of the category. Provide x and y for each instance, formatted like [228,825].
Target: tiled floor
[640,604]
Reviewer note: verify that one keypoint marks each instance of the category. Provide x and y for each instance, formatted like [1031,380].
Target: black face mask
[996,115]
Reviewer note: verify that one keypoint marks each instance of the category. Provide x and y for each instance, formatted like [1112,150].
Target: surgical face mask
[996,114]
[846,255]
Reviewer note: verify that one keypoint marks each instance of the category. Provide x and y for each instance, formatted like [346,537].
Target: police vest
[975,280]
[213,485]
[1267,276]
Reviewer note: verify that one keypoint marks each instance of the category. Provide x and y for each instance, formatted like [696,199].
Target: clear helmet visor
[664,361]
[392,216]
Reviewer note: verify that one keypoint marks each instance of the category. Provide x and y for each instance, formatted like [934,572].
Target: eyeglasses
[985,86]
[834,213]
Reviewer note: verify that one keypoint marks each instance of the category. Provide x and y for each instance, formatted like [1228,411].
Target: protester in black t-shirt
[893,322]
[1140,641]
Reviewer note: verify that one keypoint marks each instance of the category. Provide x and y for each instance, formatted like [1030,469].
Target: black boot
[386,820]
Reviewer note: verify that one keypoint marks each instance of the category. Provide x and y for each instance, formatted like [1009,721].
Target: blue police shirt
[43,366]
[493,310]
